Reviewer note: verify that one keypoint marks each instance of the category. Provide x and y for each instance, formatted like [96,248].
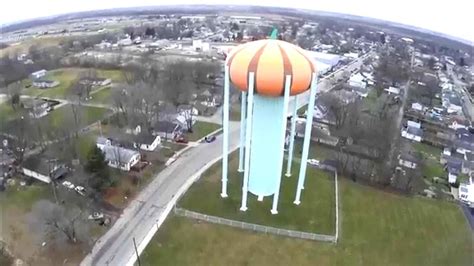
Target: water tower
[270,74]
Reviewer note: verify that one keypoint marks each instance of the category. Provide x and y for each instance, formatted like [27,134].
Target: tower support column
[243,111]
[248,134]
[225,133]
[292,137]
[307,139]
[282,144]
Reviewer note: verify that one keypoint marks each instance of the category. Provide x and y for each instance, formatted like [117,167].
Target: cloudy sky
[453,17]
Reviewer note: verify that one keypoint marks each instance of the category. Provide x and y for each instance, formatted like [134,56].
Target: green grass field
[66,78]
[87,116]
[201,129]
[6,112]
[378,228]
[102,96]
[315,214]
[428,151]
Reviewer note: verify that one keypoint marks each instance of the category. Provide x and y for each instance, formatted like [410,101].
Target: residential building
[166,129]
[43,169]
[320,133]
[38,74]
[147,142]
[454,169]
[466,192]
[412,131]
[393,90]
[45,83]
[417,107]
[36,108]
[408,161]
[96,82]
[118,157]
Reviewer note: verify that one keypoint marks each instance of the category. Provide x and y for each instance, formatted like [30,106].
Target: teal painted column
[282,144]
[243,110]
[225,133]
[292,137]
[248,133]
[307,139]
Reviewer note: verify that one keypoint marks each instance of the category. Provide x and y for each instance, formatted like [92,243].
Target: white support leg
[307,139]
[283,133]
[243,111]
[225,134]
[292,137]
[248,135]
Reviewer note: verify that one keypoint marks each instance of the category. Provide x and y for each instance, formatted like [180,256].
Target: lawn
[201,129]
[115,75]
[62,116]
[315,214]
[378,228]
[428,151]
[432,168]
[40,42]
[6,112]
[102,96]
[234,113]
[316,151]
[15,203]
[66,78]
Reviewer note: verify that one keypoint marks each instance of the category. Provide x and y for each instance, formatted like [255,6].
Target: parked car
[96,216]
[180,139]
[81,190]
[210,139]
[313,162]
[68,185]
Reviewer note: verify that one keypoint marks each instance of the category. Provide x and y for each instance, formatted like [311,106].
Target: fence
[254,227]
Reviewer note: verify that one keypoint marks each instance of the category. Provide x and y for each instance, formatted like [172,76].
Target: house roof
[469,156]
[47,167]
[454,167]
[102,140]
[118,154]
[6,158]
[415,131]
[145,138]
[408,157]
[44,81]
[467,144]
[165,126]
[29,103]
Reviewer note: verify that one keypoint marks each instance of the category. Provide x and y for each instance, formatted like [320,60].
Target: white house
[408,161]
[44,83]
[147,142]
[43,170]
[466,193]
[412,133]
[417,107]
[199,45]
[118,157]
[124,42]
[357,81]
[38,74]
[393,90]
[413,124]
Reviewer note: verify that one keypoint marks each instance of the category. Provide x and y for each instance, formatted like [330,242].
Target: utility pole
[136,251]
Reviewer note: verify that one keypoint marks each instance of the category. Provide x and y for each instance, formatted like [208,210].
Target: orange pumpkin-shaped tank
[270,60]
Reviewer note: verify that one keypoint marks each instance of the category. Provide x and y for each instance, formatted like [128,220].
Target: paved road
[116,246]
[469,213]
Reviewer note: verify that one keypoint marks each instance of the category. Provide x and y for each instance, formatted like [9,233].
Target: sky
[453,17]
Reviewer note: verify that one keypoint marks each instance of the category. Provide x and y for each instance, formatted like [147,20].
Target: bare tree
[58,223]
